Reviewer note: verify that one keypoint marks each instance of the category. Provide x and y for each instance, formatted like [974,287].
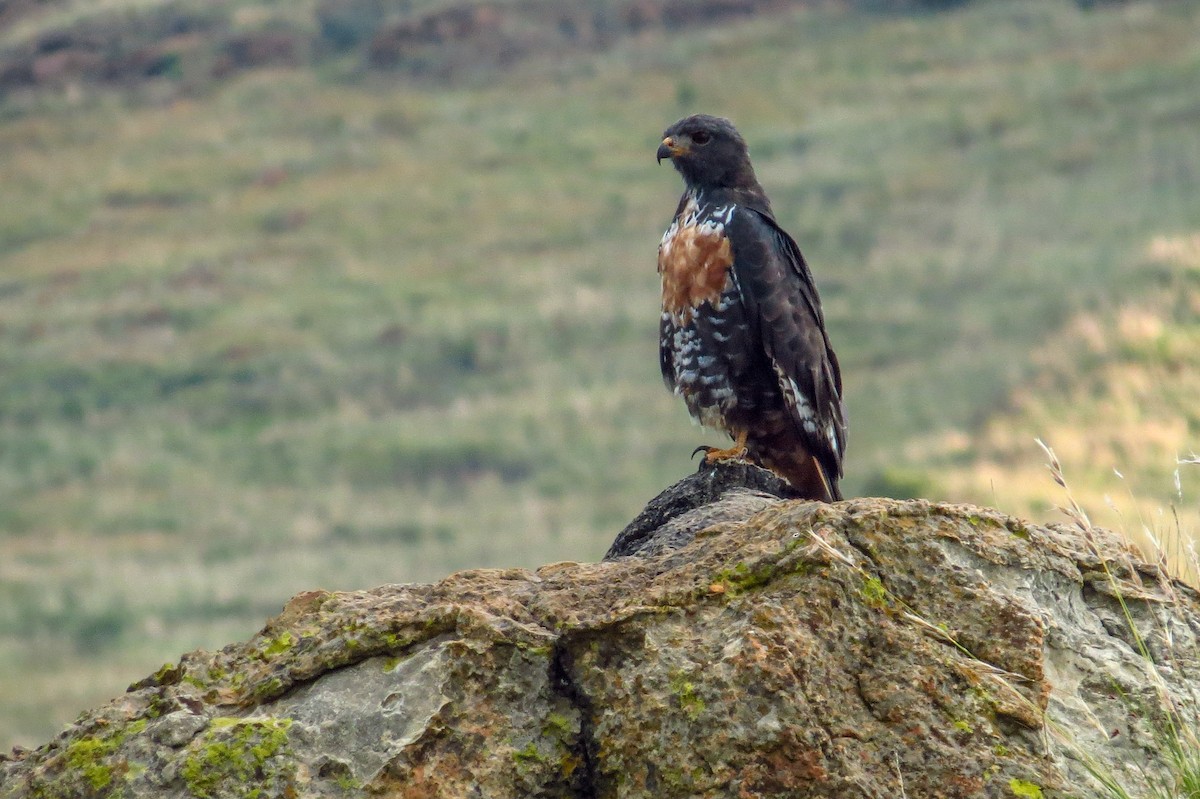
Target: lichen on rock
[235,752]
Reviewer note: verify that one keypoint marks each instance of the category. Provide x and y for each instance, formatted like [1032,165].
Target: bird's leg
[737,451]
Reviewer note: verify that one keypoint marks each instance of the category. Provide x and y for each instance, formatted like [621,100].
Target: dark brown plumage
[742,336]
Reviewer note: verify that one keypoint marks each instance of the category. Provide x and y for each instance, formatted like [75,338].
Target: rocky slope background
[732,643]
[425,38]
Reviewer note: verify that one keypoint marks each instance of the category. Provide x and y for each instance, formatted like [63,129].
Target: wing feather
[779,294]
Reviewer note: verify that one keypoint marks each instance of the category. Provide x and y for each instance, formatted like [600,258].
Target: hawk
[742,338]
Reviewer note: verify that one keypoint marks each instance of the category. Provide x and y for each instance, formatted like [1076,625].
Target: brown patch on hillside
[195,44]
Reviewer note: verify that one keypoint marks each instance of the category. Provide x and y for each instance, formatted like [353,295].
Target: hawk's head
[709,153]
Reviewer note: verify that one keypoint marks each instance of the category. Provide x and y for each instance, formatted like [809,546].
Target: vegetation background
[321,294]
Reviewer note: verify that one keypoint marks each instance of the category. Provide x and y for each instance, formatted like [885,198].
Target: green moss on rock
[169,674]
[88,757]
[278,645]
[267,689]
[240,757]
[742,577]
[91,765]
[1025,789]
[559,725]
[529,754]
[874,593]
[689,699]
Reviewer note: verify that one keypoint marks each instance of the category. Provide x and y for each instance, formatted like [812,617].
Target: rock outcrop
[734,644]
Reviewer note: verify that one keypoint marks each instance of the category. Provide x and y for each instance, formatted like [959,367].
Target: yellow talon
[736,452]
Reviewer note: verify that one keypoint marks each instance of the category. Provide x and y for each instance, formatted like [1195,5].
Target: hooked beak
[668,149]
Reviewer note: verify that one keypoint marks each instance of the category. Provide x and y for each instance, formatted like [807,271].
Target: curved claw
[714,454]
[702,448]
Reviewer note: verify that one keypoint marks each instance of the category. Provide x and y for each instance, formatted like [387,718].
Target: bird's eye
[701,137]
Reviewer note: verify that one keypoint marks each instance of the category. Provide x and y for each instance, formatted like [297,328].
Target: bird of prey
[742,336]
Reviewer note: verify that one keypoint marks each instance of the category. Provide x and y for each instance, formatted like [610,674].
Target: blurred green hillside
[320,324]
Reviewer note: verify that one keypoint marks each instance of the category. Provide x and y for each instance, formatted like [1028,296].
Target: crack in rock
[585,781]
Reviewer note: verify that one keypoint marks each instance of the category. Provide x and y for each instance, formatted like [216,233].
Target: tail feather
[806,475]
